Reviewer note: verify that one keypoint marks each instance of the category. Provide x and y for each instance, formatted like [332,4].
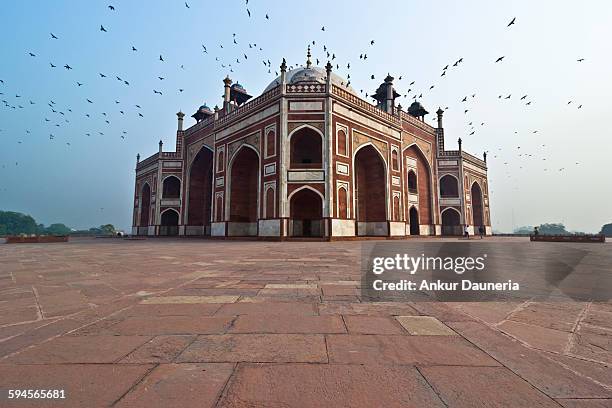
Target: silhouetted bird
[53,36]
[511,22]
[499,59]
[111,8]
[102,28]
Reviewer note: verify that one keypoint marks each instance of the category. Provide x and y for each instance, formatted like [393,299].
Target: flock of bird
[59,118]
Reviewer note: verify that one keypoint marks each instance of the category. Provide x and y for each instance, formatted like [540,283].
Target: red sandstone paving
[372,325]
[172,325]
[484,387]
[258,323]
[548,376]
[66,304]
[585,403]
[405,349]
[259,348]
[180,385]
[80,349]
[537,336]
[86,385]
[309,385]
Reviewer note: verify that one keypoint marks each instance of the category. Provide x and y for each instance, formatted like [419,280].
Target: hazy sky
[91,181]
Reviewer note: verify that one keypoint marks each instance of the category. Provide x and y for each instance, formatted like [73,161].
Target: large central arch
[244,192]
[200,193]
[306,209]
[145,209]
[420,184]
[370,191]
[477,210]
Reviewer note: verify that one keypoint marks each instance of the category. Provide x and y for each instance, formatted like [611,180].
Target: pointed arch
[200,190]
[451,221]
[306,147]
[424,176]
[171,187]
[145,204]
[449,186]
[242,203]
[370,189]
[477,205]
[306,212]
[169,222]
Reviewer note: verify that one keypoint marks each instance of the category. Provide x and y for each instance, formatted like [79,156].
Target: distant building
[309,157]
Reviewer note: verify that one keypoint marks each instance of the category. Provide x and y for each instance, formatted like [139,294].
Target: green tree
[14,223]
[553,229]
[57,229]
[606,230]
[108,229]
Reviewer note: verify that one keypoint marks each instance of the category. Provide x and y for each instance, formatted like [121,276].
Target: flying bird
[500,59]
[134,48]
[53,36]
[68,67]
[580,59]
[32,55]
[102,75]
[111,8]
[102,28]
[52,66]
[161,58]
[186,5]
[511,22]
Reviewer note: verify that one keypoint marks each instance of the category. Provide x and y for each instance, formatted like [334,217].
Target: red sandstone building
[309,157]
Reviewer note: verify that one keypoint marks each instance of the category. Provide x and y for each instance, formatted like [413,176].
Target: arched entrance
[477,210]
[451,222]
[449,186]
[370,192]
[306,149]
[145,209]
[243,202]
[171,187]
[169,223]
[414,221]
[200,194]
[419,183]
[306,210]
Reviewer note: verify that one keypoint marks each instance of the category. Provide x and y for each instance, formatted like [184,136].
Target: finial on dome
[283,66]
[308,62]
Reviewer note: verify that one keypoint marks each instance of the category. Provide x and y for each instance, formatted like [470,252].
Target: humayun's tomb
[310,158]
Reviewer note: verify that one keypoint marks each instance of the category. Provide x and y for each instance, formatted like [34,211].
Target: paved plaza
[207,323]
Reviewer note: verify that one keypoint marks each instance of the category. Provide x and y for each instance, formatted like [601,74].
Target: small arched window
[342,143]
[270,143]
[342,203]
[449,186]
[412,182]
[394,159]
[220,161]
[270,203]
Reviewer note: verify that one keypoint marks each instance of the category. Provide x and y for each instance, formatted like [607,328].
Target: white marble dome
[312,74]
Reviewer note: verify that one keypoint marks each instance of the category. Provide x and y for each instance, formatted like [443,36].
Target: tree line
[16,223]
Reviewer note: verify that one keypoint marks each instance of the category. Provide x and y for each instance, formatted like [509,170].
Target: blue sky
[90,181]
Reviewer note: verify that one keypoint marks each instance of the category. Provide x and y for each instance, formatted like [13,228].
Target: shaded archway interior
[477,213]
[171,187]
[306,209]
[243,191]
[449,187]
[306,149]
[370,185]
[414,221]
[421,184]
[169,223]
[145,205]
[200,189]
[451,222]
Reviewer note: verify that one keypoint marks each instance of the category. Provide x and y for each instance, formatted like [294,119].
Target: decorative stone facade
[310,158]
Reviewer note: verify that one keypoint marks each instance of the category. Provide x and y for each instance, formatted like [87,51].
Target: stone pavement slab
[261,348]
[310,385]
[180,385]
[173,325]
[259,323]
[357,324]
[85,385]
[405,349]
[80,349]
[160,349]
[424,326]
[484,387]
